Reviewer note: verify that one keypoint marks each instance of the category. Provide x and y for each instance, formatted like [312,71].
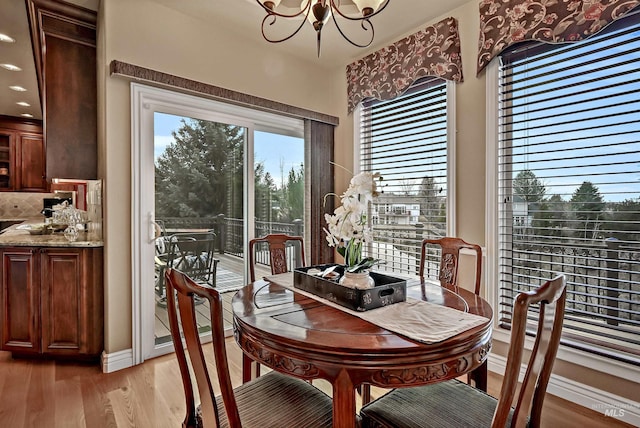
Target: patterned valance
[506,22]
[387,73]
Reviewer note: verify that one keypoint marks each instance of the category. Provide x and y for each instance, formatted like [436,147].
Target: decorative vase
[71,233]
[360,280]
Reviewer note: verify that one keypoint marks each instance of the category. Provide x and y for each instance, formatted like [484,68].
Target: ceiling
[240,17]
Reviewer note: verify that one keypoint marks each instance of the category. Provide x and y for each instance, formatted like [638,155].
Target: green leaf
[364,264]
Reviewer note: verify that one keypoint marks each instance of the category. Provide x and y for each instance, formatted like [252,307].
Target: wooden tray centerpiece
[386,290]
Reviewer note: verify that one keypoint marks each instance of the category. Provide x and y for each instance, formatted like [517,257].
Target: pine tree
[293,196]
[431,199]
[529,187]
[200,173]
[587,206]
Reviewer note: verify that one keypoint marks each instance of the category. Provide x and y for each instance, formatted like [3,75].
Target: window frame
[451,153]
[566,353]
[144,101]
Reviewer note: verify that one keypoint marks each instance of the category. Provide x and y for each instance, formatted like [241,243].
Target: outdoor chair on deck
[273,400]
[456,404]
[191,253]
[276,251]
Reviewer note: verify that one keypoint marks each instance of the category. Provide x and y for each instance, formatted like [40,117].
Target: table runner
[415,319]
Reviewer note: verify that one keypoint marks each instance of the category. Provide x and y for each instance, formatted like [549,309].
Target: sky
[279,153]
[574,119]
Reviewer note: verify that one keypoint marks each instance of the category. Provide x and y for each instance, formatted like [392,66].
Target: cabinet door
[71,301]
[61,301]
[71,106]
[30,163]
[19,300]
[7,140]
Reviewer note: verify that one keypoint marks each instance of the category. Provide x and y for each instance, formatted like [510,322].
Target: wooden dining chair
[276,244]
[448,276]
[272,400]
[456,404]
[448,269]
[450,260]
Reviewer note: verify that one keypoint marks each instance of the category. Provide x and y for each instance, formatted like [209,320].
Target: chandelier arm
[304,11]
[336,9]
[364,20]
[273,16]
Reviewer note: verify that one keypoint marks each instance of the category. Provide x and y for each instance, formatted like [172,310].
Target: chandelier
[318,12]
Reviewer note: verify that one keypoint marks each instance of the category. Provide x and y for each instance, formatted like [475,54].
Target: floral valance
[387,73]
[506,22]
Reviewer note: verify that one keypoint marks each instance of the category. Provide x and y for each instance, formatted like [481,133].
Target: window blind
[405,140]
[569,183]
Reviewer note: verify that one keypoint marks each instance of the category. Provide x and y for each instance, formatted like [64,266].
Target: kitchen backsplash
[21,205]
[24,205]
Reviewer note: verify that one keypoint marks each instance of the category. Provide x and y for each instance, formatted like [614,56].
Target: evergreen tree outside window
[199,175]
[198,171]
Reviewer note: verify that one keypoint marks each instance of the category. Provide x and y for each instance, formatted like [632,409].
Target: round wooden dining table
[306,338]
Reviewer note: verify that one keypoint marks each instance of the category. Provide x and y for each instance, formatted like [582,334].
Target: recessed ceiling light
[7,39]
[23,104]
[17,88]
[26,115]
[11,67]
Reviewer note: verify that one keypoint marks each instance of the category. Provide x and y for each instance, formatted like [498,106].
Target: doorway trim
[144,99]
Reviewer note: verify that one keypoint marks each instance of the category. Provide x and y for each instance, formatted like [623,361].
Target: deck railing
[603,281]
[230,233]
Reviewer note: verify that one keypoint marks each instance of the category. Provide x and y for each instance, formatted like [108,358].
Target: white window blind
[569,183]
[405,140]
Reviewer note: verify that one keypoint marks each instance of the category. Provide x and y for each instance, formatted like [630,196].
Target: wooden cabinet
[64,41]
[20,300]
[22,155]
[51,301]
[30,163]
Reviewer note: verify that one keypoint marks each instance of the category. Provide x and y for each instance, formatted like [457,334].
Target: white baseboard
[117,360]
[601,401]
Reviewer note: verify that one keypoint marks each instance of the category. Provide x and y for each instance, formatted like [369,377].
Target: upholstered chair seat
[442,405]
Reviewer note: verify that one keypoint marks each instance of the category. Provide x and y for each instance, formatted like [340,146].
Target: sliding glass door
[208,176]
[199,207]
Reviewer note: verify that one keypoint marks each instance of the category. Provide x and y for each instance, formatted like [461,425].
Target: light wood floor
[37,393]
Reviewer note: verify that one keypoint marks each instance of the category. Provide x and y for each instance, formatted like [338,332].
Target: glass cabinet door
[6,141]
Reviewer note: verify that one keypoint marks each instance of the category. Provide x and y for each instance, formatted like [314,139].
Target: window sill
[576,356]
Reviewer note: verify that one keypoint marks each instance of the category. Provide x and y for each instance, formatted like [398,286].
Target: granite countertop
[15,237]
